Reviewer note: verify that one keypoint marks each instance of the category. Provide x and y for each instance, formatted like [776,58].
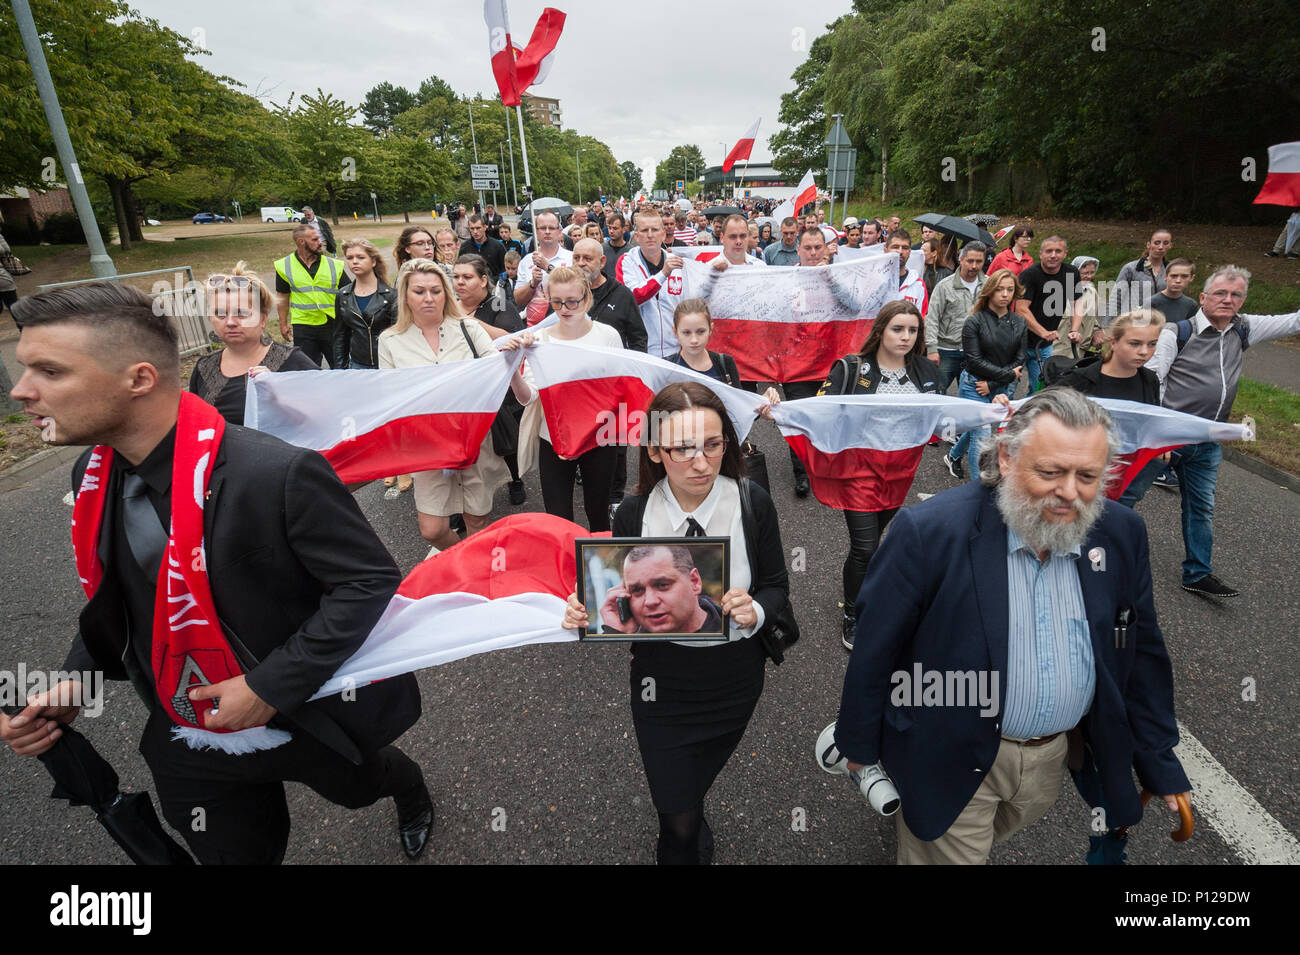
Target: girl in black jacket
[364,308]
[993,347]
[704,694]
[693,326]
[892,361]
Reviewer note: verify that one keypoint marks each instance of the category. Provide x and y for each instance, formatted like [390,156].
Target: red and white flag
[515,70]
[1148,431]
[862,451]
[790,323]
[807,193]
[1282,186]
[501,588]
[593,396]
[372,423]
[743,148]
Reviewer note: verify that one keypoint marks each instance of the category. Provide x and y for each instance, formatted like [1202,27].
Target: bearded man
[1033,582]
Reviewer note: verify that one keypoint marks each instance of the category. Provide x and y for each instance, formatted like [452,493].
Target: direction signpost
[842,166]
[485,176]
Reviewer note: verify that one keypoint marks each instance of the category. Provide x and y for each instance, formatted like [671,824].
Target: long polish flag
[515,70]
[790,323]
[1282,185]
[594,396]
[501,588]
[743,148]
[1147,431]
[862,451]
[372,423]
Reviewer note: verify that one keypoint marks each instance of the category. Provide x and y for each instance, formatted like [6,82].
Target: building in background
[543,109]
[30,208]
[760,181]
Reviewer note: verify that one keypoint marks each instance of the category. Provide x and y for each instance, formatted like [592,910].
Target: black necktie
[144,531]
[693,528]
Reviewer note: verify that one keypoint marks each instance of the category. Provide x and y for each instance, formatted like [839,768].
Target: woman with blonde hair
[239,303]
[431,330]
[993,343]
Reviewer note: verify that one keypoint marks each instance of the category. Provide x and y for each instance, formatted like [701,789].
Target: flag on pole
[594,396]
[370,424]
[501,588]
[1282,186]
[862,451]
[515,70]
[743,148]
[807,193]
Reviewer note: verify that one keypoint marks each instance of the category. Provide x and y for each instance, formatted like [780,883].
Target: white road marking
[1218,799]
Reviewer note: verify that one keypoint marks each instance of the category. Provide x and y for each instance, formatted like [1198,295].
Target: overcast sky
[732,59]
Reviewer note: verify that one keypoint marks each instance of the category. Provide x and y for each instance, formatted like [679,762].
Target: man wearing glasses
[1199,363]
[531,277]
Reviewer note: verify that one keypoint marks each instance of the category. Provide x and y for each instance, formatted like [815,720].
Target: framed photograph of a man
[654,588]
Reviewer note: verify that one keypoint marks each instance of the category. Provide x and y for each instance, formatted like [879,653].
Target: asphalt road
[541,738]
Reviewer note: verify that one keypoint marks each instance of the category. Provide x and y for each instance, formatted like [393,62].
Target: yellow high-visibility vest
[311,297]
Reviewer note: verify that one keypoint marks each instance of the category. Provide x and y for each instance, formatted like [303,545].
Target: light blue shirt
[1051,675]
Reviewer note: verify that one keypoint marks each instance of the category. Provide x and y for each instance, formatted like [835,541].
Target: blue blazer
[936,594]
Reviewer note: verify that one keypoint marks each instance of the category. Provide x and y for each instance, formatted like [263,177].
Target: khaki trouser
[1021,786]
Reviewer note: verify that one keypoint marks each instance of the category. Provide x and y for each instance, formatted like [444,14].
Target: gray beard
[1023,513]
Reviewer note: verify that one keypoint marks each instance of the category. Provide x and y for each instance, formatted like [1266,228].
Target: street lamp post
[577,154]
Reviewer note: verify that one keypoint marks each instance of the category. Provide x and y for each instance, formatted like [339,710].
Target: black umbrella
[956,226]
[721,211]
[85,778]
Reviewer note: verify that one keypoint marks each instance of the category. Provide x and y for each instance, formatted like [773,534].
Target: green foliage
[631,175]
[383,103]
[1096,107]
[326,147]
[684,162]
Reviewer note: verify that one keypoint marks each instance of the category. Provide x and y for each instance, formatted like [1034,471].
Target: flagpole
[528,180]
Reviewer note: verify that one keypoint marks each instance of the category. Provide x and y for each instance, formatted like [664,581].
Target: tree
[683,162]
[631,175]
[326,146]
[434,88]
[382,105]
[406,167]
[799,145]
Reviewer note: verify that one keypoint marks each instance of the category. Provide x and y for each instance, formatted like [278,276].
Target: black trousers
[865,531]
[794,390]
[231,809]
[316,341]
[557,478]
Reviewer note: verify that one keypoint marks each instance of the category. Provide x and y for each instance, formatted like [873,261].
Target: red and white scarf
[189,647]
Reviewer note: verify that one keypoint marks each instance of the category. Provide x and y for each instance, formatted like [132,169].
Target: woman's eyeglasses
[713,449]
[229,281]
[569,303]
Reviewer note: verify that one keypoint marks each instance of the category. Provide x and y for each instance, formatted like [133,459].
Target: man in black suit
[1032,586]
[297,576]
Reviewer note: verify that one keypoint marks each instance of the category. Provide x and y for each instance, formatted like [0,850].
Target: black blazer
[299,579]
[356,334]
[769,582]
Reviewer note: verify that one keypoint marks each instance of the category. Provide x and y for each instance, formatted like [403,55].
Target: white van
[280,214]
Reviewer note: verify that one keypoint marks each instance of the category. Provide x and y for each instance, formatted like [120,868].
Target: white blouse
[719,515]
[411,348]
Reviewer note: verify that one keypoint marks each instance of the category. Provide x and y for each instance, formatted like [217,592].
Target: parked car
[280,214]
[203,217]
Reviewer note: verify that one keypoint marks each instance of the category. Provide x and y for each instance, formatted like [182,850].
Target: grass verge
[1277,424]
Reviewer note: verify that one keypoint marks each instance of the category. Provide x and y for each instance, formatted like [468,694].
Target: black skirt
[702,701]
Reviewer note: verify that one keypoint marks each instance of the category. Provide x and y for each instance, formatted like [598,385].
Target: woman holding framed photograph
[703,692]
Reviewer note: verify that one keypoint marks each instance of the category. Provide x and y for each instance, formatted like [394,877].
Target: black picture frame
[599,561]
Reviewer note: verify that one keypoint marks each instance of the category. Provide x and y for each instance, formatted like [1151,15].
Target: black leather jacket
[994,347]
[356,336]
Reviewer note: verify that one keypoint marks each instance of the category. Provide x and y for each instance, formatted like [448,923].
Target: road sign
[484,170]
[487,185]
[681,185]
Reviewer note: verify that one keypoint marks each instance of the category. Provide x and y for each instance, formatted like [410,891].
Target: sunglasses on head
[224,281]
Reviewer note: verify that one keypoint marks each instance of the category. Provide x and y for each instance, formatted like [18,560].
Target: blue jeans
[1138,487]
[1197,467]
[949,367]
[969,442]
[1035,358]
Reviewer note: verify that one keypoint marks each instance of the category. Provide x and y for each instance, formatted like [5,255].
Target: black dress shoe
[414,826]
[518,494]
[801,487]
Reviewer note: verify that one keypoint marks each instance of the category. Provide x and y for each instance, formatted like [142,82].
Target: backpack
[1185,333]
[1058,366]
[852,368]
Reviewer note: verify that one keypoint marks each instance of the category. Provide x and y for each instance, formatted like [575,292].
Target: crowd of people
[1020,321]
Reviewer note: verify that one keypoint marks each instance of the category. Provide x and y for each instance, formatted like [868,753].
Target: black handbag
[505,426]
[780,630]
